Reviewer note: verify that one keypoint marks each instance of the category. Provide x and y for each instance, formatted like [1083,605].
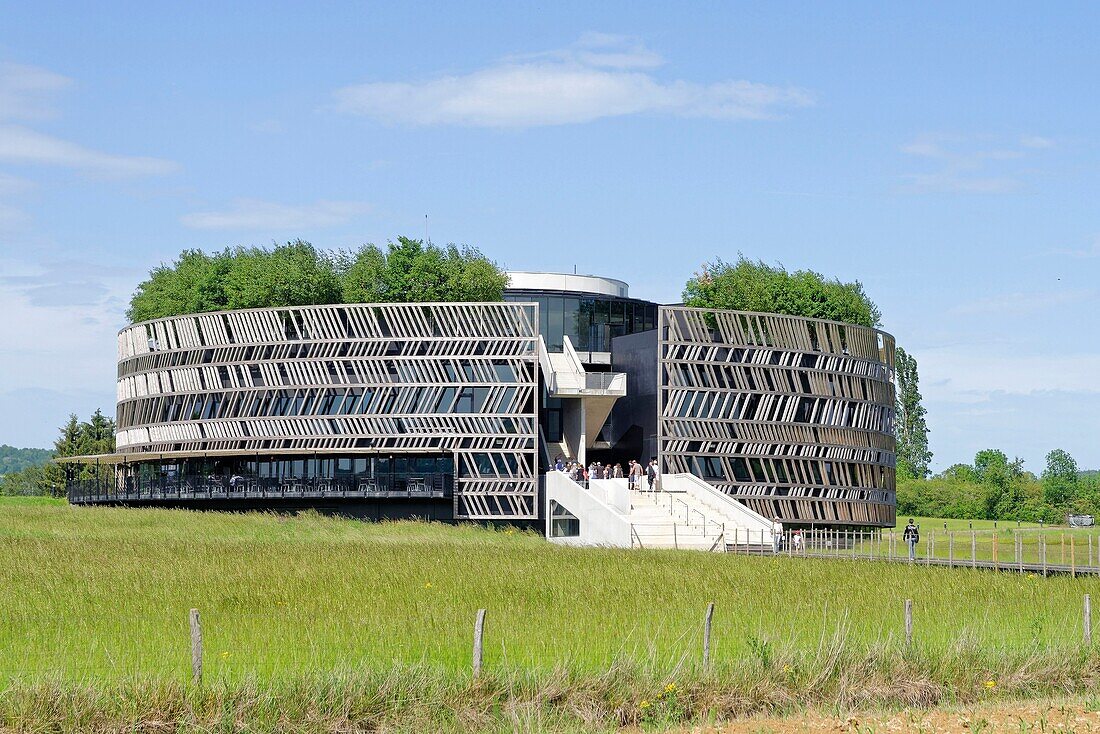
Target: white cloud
[970,375]
[10,216]
[23,145]
[1036,141]
[963,167]
[25,94]
[59,324]
[600,76]
[1023,303]
[25,91]
[254,214]
[1081,253]
[13,184]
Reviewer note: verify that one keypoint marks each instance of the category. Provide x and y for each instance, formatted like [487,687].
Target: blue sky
[946,156]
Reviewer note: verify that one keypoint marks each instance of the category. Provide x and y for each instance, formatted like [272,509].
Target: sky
[946,155]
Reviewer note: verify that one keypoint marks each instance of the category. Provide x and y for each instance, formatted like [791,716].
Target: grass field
[343,621]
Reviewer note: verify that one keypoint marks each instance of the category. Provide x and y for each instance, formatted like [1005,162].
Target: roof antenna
[426,239]
[574,269]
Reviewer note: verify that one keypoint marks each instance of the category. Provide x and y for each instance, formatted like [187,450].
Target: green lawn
[101,595]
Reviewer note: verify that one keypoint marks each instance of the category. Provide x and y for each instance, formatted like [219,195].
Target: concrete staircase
[667,520]
[688,514]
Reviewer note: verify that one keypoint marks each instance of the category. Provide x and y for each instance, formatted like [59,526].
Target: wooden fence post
[479,631]
[1088,620]
[1043,551]
[908,621]
[951,549]
[973,550]
[196,647]
[994,550]
[1072,557]
[706,636]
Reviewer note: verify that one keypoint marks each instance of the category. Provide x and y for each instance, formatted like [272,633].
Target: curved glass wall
[590,321]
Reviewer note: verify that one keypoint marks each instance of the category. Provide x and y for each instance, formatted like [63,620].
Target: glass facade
[414,475]
[590,321]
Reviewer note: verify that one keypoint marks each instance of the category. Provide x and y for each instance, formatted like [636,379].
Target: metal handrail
[704,520]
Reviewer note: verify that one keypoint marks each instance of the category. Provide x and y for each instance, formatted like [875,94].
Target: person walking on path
[912,537]
[777,535]
[796,541]
[652,475]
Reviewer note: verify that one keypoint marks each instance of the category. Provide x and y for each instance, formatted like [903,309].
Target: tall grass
[94,607]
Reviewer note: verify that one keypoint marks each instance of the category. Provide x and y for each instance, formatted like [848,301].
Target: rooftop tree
[757,286]
[412,271]
[297,274]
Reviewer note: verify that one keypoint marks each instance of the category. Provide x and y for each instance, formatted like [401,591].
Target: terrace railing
[194,487]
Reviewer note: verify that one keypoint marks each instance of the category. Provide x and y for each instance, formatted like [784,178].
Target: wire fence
[1043,551]
[227,646]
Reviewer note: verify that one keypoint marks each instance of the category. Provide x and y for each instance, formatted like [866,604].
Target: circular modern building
[452,411]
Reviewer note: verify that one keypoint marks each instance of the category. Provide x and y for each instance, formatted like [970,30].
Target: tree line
[995,487]
[13,459]
[76,438]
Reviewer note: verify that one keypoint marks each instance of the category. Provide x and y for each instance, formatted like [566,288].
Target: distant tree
[93,437]
[412,271]
[959,472]
[756,286]
[912,430]
[1059,478]
[13,459]
[30,481]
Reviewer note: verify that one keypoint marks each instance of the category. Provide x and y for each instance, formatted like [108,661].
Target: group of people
[637,475]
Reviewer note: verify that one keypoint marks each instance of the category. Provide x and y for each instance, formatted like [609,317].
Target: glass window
[555,324]
[544,307]
[618,312]
[553,425]
[577,317]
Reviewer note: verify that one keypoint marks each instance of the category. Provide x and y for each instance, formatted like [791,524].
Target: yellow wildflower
[428,585]
[644,704]
[225,654]
[787,669]
[990,685]
[670,688]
